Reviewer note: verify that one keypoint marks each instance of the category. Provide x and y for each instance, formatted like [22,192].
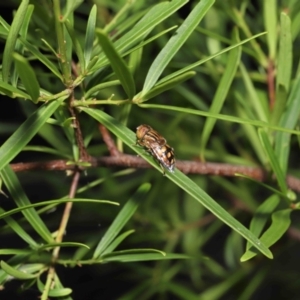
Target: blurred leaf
[262,216]
[117,241]
[19,48]
[181,180]
[58,201]
[122,218]
[202,61]
[221,93]
[27,76]
[273,160]
[167,85]
[288,120]
[90,35]
[153,17]
[141,255]
[71,5]
[42,58]
[175,43]
[17,193]
[280,224]
[117,63]
[219,117]
[284,68]
[19,230]
[6,88]
[76,45]
[270,20]
[19,139]
[16,273]
[12,39]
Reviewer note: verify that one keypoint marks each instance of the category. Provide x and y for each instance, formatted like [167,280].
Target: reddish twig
[111,146]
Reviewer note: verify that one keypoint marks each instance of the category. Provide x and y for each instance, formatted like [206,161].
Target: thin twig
[108,140]
[60,234]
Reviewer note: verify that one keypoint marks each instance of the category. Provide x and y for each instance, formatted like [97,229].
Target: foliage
[219,79]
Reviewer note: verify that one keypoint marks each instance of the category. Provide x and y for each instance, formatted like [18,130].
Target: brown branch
[132,161]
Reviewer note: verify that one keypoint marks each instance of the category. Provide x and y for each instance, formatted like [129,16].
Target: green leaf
[70,8]
[285,59]
[19,48]
[58,201]
[221,93]
[42,58]
[202,61]
[175,43]
[260,107]
[63,244]
[27,76]
[153,17]
[273,159]
[219,116]
[19,230]
[19,139]
[262,216]
[270,20]
[288,120]
[117,63]
[7,89]
[16,191]
[12,39]
[141,255]
[122,218]
[167,85]
[95,89]
[76,45]
[117,241]
[90,35]
[284,67]
[16,273]
[181,180]
[280,224]
[16,251]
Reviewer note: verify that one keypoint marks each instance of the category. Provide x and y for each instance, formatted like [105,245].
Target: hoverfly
[157,145]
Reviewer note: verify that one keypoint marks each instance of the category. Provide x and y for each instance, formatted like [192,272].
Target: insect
[157,146]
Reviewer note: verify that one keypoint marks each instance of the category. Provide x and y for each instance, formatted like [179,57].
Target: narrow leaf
[19,139]
[19,230]
[122,218]
[12,91]
[175,43]
[270,20]
[12,39]
[280,224]
[17,193]
[76,45]
[27,76]
[273,160]
[262,216]
[221,93]
[117,63]
[90,35]
[288,120]
[16,273]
